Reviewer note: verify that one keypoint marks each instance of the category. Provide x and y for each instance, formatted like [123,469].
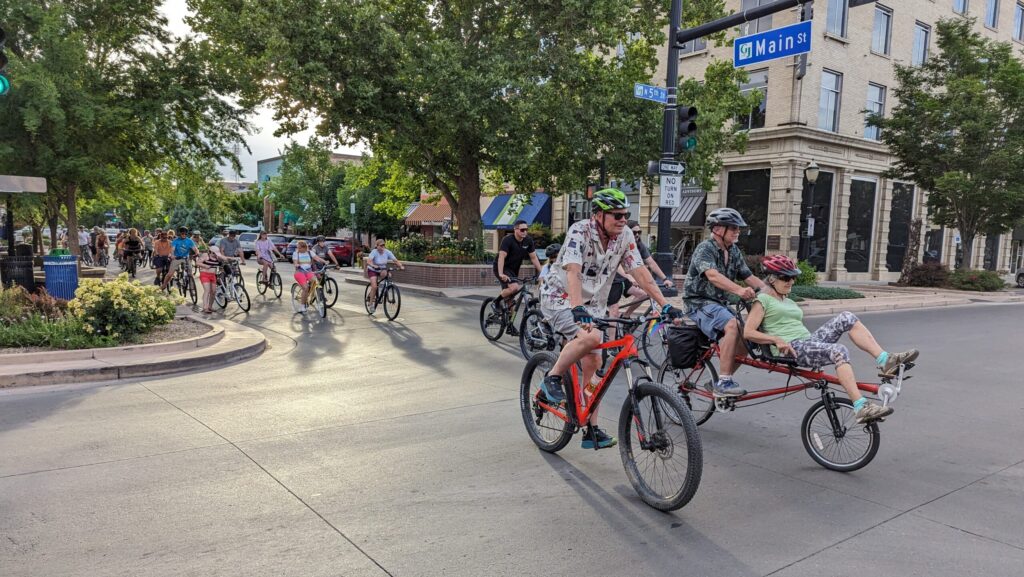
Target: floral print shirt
[698,290]
[583,246]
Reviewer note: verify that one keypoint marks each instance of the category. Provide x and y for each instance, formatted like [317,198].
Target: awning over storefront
[689,213]
[506,209]
[429,214]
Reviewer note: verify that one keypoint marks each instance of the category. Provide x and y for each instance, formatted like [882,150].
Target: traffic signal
[5,84]
[687,128]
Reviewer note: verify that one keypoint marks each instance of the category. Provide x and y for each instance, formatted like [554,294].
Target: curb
[230,343]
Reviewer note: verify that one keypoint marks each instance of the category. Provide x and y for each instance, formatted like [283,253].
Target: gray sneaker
[892,364]
[871,412]
[552,389]
[728,389]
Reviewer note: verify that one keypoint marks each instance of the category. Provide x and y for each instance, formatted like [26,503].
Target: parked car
[247,240]
[216,238]
[112,234]
[342,250]
[280,241]
[294,242]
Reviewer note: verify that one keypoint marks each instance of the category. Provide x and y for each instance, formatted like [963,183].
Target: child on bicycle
[778,321]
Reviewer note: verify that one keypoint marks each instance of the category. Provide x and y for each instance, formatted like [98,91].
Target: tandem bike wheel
[834,439]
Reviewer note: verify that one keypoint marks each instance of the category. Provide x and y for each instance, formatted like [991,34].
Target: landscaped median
[111,331]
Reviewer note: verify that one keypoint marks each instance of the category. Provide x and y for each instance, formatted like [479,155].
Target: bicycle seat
[764,353]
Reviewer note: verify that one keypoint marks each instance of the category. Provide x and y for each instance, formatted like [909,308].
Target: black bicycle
[387,293]
[271,281]
[498,317]
[329,285]
[184,281]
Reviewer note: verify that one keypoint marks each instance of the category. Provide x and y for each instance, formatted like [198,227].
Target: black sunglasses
[787,278]
[522,229]
[618,215]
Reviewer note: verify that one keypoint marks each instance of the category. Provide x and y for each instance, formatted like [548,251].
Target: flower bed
[100,315]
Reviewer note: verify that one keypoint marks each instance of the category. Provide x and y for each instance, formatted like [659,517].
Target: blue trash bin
[61,276]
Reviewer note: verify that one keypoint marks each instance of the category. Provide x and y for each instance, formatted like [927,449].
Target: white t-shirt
[381,260]
[83,237]
[583,246]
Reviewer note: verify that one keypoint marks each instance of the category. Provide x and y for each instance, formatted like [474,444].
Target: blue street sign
[779,43]
[648,92]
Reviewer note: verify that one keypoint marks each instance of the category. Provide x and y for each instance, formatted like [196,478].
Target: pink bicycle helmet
[780,265]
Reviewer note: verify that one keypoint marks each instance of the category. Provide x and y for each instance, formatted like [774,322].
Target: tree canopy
[307,185]
[958,132]
[519,91]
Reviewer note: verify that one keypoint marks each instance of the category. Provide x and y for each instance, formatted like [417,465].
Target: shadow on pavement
[410,343]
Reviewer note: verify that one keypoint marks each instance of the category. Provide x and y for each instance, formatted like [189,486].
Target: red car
[342,250]
[280,241]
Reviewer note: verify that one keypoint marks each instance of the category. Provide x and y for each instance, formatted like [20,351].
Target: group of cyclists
[602,258]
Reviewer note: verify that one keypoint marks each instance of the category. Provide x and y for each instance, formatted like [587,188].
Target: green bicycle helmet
[609,199]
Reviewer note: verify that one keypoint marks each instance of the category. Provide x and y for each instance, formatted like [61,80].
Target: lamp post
[811,176]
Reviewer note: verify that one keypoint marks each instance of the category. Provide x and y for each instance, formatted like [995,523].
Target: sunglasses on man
[618,215]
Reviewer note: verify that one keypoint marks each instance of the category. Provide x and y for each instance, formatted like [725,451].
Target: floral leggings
[821,347]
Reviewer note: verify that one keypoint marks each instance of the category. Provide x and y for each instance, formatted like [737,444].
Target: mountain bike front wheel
[261,285]
[660,447]
[242,297]
[275,283]
[330,292]
[191,289]
[318,302]
[392,302]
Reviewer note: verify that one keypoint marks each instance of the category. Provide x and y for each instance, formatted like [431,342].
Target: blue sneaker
[552,389]
[598,439]
[729,389]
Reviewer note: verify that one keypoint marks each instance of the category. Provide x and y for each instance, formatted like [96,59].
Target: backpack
[685,344]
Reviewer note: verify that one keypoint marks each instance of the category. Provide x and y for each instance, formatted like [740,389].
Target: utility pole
[663,256]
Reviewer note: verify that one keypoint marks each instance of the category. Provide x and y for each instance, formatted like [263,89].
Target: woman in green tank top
[778,321]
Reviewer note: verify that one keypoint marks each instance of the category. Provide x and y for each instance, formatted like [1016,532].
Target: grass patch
[823,293]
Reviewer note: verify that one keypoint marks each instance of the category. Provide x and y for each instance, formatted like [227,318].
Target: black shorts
[161,261]
[508,273]
[619,288]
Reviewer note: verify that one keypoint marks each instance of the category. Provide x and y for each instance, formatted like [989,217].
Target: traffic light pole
[663,256]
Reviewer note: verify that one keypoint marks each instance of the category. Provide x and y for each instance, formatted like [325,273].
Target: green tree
[365,186]
[958,132]
[526,92]
[307,185]
[195,218]
[244,207]
[101,87]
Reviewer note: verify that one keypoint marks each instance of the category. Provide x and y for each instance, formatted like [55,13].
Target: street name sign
[671,191]
[671,167]
[779,43]
[648,92]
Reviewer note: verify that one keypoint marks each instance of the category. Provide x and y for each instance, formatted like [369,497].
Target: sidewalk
[228,342]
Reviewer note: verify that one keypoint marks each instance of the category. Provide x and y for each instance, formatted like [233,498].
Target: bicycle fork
[829,398]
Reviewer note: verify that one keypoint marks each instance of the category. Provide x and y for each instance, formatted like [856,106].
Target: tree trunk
[968,244]
[70,198]
[467,212]
[910,255]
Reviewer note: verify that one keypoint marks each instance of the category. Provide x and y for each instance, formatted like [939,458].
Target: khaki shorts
[562,321]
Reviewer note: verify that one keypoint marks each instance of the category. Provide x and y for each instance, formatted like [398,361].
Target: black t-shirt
[645,253]
[516,252]
[133,244]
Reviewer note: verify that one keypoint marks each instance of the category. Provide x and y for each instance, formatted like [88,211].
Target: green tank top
[784,319]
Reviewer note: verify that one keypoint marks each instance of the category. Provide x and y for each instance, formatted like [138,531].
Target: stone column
[841,216]
[880,242]
[780,198]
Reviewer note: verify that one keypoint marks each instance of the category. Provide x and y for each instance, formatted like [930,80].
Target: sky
[262,142]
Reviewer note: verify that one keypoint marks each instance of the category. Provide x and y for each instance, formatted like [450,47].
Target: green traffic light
[690,143]
[5,85]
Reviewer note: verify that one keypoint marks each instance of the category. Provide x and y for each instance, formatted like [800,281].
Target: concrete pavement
[358,446]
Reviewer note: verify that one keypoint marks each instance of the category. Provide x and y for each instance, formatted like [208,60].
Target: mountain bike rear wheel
[492,322]
[535,335]
[392,302]
[547,430]
[660,447]
[370,306]
[653,344]
[220,298]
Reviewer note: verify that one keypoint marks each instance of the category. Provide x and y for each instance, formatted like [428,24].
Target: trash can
[59,252]
[17,270]
[61,276]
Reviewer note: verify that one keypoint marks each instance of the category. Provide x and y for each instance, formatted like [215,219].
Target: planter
[451,275]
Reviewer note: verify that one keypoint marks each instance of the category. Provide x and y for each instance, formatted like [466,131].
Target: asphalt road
[357,446]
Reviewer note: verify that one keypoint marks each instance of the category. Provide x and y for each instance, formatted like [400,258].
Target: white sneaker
[302,308]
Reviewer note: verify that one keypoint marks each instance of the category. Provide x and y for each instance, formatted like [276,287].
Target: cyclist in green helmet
[576,291]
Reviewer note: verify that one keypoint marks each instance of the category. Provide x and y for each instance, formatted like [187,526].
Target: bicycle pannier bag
[684,344]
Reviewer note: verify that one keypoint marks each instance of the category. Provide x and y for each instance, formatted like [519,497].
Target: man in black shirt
[514,248]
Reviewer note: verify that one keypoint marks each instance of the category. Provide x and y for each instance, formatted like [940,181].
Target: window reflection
[821,210]
[899,225]
[748,193]
[859,225]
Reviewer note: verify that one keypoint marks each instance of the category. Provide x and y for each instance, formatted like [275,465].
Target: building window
[991,252]
[899,225]
[828,104]
[960,6]
[922,36]
[748,193]
[876,105]
[761,24]
[815,249]
[837,17]
[757,80]
[860,224]
[933,245]
[1018,22]
[882,33]
[992,14]
[693,46]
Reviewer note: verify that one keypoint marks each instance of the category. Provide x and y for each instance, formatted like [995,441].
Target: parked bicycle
[229,288]
[659,444]
[387,293]
[498,318]
[273,281]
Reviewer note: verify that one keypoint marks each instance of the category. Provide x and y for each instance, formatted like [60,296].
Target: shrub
[824,293]
[17,305]
[65,333]
[416,248]
[121,308]
[975,280]
[929,274]
[808,274]
[754,264]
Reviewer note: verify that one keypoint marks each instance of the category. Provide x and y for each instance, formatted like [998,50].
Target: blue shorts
[712,318]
